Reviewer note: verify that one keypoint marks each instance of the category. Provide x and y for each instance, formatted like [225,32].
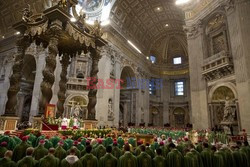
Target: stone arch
[217,97]
[128,97]
[127,72]
[73,100]
[179,114]
[229,85]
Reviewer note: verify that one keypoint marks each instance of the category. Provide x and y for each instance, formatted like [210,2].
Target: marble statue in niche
[229,110]
[110,111]
[75,110]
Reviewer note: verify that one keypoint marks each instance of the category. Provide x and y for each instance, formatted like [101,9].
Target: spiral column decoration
[95,55]
[48,75]
[22,44]
[62,85]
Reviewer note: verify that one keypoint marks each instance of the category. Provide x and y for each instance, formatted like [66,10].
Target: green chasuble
[48,144]
[108,142]
[199,147]
[40,152]
[132,141]
[218,160]
[89,160]
[27,161]
[80,147]
[197,157]
[42,137]
[246,151]
[116,152]
[7,162]
[150,152]
[2,151]
[240,158]
[159,161]
[69,142]
[137,151]
[192,159]
[155,146]
[108,160]
[60,153]
[32,139]
[127,160]
[71,161]
[144,160]
[100,151]
[227,157]
[49,161]
[78,153]
[55,140]
[207,157]
[120,142]
[11,142]
[174,158]
[17,140]
[20,151]
[189,161]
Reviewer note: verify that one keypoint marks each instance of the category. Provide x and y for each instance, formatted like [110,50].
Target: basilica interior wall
[145,109]
[218,48]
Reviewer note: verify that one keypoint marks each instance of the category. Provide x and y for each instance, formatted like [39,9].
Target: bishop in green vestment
[100,150]
[159,160]
[108,160]
[144,160]
[174,157]
[116,151]
[89,160]
[71,160]
[207,156]
[49,160]
[3,148]
[120,142]
[20,150]
[6,160]
[28,161]
[128,159]
[40,151]
[60,153]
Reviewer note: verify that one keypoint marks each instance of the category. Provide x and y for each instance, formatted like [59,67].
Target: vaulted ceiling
[144,21]
[141,21]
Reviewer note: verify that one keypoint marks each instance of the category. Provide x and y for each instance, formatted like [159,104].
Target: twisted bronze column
[22,44]
[48,75]
[62,85]
[95,55]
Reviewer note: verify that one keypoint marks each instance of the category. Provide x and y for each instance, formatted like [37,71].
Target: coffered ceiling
[145,21]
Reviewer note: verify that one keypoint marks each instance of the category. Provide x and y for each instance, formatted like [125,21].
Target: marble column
[62,85]
[11,105]
[48,75]
[95,55]
[239,30]
[38,79]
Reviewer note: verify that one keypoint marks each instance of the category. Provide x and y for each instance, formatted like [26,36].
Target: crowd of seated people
[62,151]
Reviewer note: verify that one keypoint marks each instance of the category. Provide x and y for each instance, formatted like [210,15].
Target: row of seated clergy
[182,155]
